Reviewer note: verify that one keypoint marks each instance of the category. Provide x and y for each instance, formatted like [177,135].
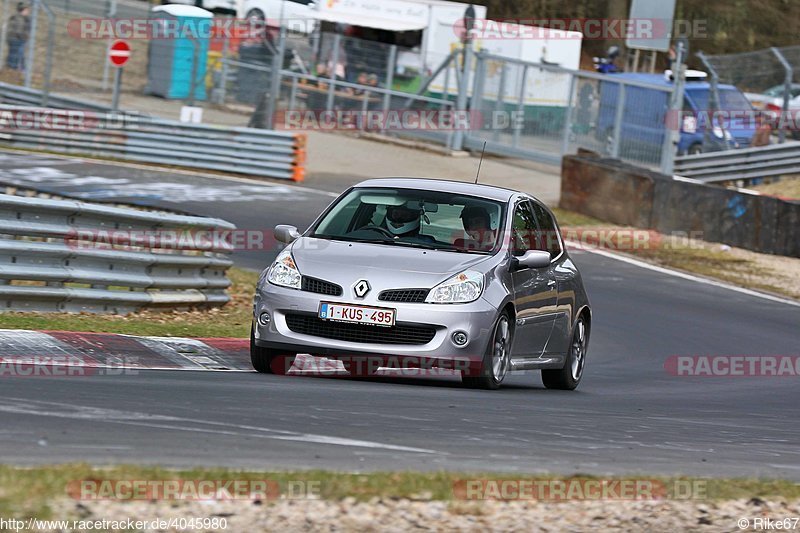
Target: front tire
[266,361]
[497,359]
[569,377]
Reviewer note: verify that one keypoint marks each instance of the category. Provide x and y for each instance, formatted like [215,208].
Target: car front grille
[404,295]
[397,334]
[321,286]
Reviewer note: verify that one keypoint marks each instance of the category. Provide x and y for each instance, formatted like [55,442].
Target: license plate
[357,314]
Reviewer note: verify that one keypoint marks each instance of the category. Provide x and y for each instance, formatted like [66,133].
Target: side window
[523,228]
[547,238]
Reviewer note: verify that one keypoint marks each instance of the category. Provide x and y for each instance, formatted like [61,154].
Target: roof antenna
[483,152]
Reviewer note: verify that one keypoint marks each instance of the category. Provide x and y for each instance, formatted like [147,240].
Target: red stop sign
[119,53]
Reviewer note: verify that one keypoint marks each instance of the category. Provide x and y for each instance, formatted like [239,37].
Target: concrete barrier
[616,192]
[607,189]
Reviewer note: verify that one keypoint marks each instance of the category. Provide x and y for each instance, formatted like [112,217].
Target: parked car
[645,121]
[422,271]
[772,98]
[223,7]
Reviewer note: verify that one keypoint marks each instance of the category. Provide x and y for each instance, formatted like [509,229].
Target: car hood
[385,267]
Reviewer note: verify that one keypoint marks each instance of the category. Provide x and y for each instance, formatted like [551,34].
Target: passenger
[477,224]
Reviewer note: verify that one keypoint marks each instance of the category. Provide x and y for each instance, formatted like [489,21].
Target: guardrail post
[618,118]
[787,92]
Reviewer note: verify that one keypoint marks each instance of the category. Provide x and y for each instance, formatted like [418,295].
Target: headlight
[461,288]
[284,272]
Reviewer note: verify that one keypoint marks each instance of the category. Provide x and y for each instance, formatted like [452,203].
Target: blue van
[645,121]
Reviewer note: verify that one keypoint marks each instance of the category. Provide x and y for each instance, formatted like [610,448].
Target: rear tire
[266,361]
[569,377]
[497,359]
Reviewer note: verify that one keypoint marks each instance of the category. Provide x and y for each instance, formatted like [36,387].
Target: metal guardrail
[66,255]
[137,137]
[744,164]
[18,95]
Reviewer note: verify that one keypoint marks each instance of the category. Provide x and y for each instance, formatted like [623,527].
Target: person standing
[19,28]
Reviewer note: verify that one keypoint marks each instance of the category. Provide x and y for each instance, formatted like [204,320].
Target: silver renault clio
[423,273]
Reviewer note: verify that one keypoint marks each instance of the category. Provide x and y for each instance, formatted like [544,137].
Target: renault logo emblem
[361,288]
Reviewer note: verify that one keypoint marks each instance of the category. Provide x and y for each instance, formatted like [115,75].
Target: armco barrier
[18,95]
[66,255]
[745,164]
[623,194]
[254,152]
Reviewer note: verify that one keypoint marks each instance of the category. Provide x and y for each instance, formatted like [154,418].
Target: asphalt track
[629,415]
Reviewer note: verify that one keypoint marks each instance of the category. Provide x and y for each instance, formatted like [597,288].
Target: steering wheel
[379,229]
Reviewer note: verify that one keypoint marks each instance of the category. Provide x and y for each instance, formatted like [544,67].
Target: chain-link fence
[541,112]
[324,79]
[770,79]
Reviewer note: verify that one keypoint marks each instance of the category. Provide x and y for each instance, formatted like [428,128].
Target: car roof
[658,79]
[439,185]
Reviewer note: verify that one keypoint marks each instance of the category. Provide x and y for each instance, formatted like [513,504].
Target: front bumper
[476,319]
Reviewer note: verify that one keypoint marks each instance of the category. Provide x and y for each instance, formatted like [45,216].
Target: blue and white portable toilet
[180,36]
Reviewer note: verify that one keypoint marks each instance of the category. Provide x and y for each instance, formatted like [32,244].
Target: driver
[404,222]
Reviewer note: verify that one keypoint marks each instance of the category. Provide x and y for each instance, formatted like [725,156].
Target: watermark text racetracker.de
[45,119]
[733,366]
[194,489]
[580,489]
[581,28]
[66,366]
[218,240]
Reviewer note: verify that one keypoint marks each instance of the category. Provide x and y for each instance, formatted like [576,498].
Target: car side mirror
[533,259]
[286,234]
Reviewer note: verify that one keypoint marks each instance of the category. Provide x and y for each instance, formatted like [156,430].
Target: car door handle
[551,283]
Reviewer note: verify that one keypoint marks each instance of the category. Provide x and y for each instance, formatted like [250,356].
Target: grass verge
[25,492]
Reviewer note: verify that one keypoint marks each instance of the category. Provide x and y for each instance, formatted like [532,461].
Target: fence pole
[568,117]
[713,99]
[275,75]
[787,92]
[500,102]
[391,65]
[521,105]
[111,11]
[223,85]
[463,93]
[337,40]
[48,64]
[31,55]
[4,32]
[672,136]
[618,118]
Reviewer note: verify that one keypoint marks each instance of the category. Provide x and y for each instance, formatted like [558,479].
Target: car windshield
[414,218]
[729,100]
